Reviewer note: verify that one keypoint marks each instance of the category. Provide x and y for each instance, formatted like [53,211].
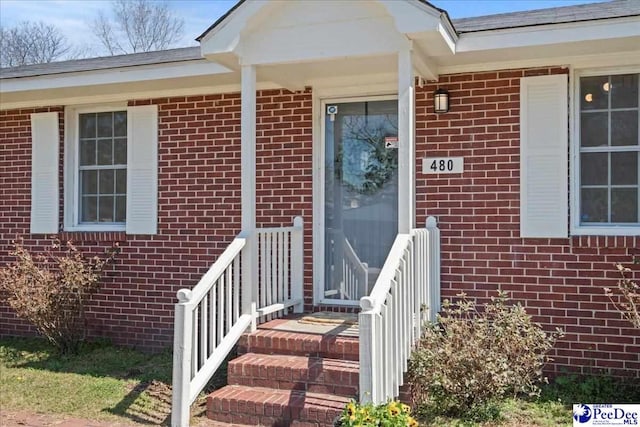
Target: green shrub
[50,290]
[469,359]
[601,388]
[391,414]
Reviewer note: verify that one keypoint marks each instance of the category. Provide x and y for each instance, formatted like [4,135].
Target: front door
[361,195]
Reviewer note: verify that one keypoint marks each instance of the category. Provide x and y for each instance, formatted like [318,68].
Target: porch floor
[323,323]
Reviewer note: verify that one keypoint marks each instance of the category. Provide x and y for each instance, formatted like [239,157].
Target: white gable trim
[224,37]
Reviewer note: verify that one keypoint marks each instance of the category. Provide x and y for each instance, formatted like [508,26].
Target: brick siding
[559,281]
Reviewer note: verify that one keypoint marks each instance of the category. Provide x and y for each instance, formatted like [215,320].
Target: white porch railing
[355,273]
[210,318]
[280,265]
[406,293]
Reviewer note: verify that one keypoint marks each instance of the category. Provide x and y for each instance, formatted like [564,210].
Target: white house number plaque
[438,165]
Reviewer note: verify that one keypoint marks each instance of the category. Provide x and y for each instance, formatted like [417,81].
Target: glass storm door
[361,195]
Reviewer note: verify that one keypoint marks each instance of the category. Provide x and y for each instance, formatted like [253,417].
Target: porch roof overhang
[283,38]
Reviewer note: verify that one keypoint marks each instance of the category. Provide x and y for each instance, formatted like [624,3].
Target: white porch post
[248,191]
[406,138]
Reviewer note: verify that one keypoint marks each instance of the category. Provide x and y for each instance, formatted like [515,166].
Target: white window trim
[71,168]
[576,228]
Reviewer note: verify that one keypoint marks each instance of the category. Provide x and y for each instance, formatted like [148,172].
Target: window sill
[606,231]
[94,233]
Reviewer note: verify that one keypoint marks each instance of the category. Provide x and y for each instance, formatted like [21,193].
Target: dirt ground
[30,419]
[23,418]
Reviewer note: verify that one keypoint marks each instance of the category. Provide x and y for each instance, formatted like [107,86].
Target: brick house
[290,109]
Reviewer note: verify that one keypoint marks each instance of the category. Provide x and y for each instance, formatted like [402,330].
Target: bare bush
[469,358]
[51,289]
[626,297]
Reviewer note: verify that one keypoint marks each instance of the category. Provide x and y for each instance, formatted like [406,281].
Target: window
[608,154]
[102,167]
[110,169]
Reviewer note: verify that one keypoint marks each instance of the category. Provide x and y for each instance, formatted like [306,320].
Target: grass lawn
[103,382]
[514,413]
[123,386]
[553,407]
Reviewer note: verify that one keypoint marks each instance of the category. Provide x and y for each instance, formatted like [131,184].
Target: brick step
[273,341]
[290,372]
[259,406]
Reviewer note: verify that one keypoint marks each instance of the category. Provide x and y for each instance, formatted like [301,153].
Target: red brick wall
[199,205]
[15,194]
[559,281]
[284,168]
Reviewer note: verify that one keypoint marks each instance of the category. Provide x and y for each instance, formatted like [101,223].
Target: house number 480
[442,165]
[439,165]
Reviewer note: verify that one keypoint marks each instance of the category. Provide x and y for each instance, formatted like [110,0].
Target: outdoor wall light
[441,101]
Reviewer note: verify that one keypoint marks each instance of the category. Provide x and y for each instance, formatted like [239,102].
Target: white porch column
[406,138]
[248,191]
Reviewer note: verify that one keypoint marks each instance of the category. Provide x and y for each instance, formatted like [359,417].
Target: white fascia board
[448,34]
[616,59]
[199,67]
[549,34]
[125,95]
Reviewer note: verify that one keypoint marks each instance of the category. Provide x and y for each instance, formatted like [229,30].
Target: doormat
[330,318]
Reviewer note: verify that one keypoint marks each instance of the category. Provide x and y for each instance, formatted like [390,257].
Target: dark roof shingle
[556,15]
[102,63]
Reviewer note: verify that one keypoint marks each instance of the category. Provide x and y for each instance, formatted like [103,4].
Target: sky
[74,17]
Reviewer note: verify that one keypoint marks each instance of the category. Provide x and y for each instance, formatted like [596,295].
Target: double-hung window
[607,194]
[111,168]
[102,168]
